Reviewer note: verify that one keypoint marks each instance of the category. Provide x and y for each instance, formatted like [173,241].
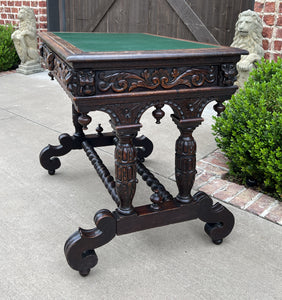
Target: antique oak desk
[123,75]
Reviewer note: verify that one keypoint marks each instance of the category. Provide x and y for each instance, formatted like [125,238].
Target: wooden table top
[95,49]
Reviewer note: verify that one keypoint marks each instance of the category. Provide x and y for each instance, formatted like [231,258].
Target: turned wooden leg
[125,167]
[78,127]
[185,158]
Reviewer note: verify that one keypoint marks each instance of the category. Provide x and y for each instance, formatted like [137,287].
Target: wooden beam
[53,18]
[192,21]
[103,9]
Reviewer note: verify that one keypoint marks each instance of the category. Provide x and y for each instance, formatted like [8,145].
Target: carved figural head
[248,22]
[248,32]
[27,17]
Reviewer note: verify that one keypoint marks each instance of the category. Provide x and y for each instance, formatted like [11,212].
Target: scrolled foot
[220,221]
[90,260]
[144,147]
[48,159]
[79,248]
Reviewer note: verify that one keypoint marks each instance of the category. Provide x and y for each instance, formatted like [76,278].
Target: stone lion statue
[25,41]
[248,36]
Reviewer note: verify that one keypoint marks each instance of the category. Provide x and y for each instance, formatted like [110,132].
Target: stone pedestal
[30,69]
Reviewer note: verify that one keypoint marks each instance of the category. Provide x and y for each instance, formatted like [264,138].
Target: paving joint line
[27,119]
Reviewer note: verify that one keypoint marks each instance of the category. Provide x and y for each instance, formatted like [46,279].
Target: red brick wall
[10,9]
[271,13]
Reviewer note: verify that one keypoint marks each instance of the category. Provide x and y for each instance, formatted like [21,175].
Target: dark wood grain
[125,85]
[79,248]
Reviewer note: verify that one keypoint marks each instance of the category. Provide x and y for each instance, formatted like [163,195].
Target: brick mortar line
[214,165]
[220,189]
[227,200]
[225,187]
[208,181]
[275,27]
[252,201]
[267,210]
[262,215]
[237,194]
[256,198]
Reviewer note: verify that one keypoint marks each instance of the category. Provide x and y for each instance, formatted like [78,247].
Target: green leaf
[249,130]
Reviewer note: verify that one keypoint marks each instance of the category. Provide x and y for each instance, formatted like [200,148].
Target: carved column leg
[185,158]
[125,167]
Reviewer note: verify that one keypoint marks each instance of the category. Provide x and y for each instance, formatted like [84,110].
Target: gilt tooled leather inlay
[152,79]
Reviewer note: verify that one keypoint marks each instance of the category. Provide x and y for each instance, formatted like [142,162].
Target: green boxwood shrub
[249,131]
[8,56]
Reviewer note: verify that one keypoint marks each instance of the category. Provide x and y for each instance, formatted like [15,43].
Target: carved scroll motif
[61,70]
[127,81]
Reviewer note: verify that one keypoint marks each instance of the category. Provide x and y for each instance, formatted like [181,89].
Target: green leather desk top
[115,42]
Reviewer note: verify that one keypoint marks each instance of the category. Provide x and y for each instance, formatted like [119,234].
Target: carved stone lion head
[248,27]
[249,22]
[27,18]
